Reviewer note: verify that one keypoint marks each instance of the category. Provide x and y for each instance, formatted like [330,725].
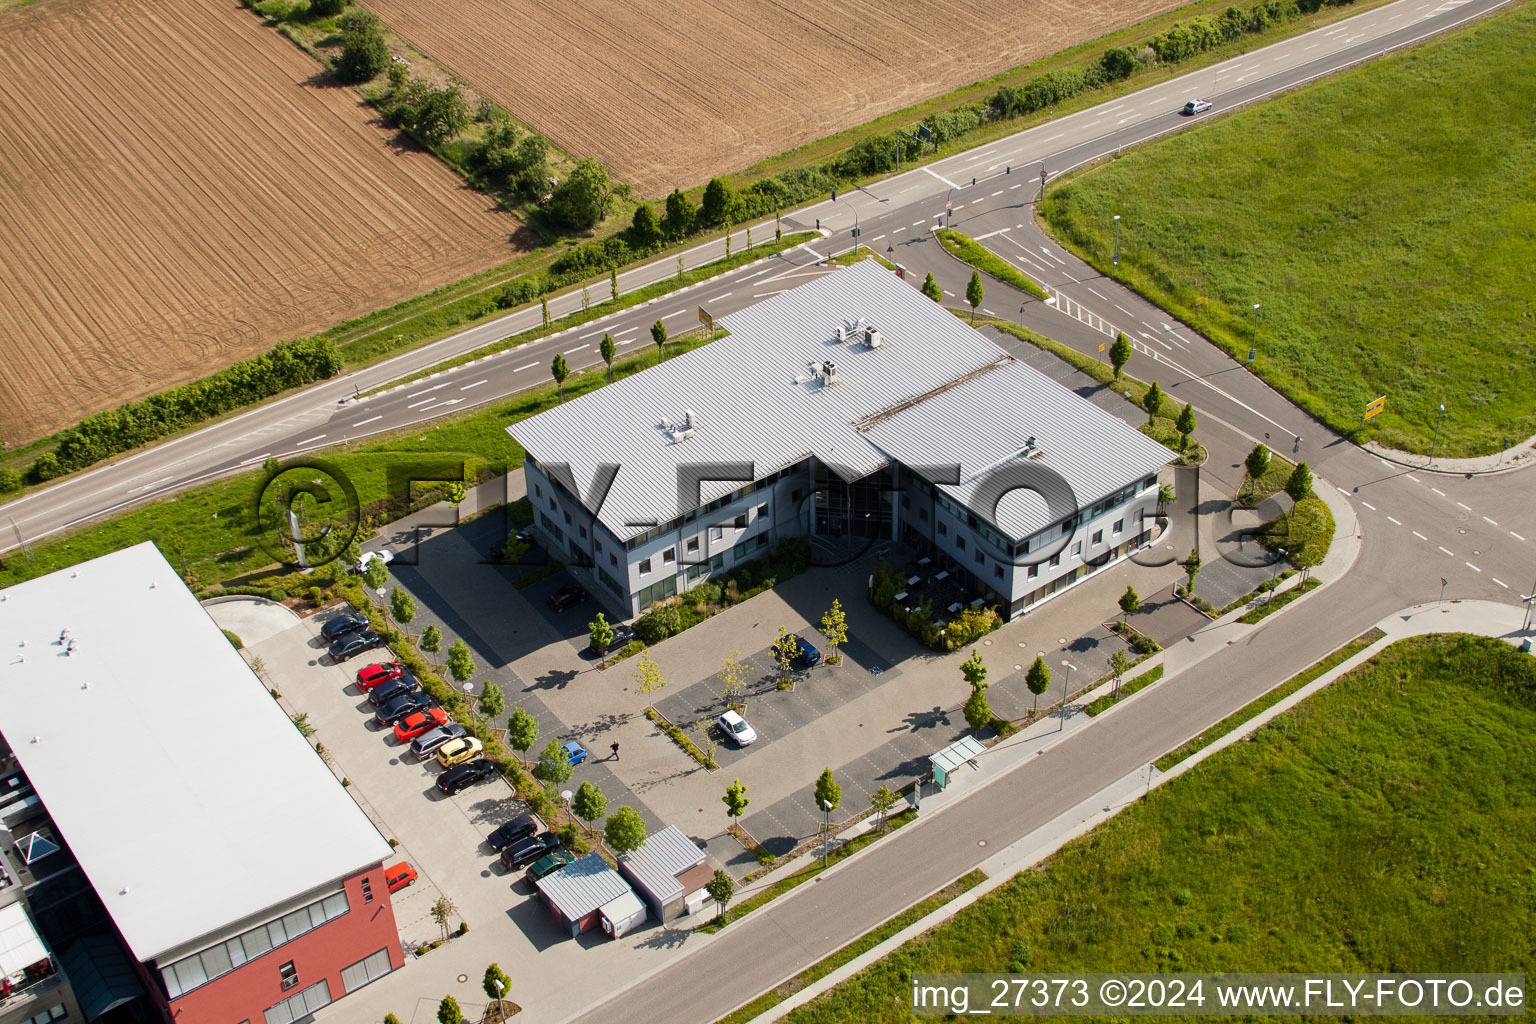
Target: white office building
[848,409]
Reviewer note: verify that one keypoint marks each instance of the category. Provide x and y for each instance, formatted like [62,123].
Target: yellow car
[458,751]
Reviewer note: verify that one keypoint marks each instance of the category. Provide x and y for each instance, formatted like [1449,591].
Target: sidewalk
[1499,462]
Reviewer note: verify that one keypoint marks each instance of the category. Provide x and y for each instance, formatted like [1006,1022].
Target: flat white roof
[20,947]
[186,794]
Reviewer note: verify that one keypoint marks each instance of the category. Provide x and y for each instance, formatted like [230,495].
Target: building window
[288,974]
[552,505]
[361,973]
[613,560]
[762,541]
[997,571]
[1119,525]
[57,1012]
[740,522]
[1098,536]
[979,559]
[762,510]
[645,567]
[1066,527]
[960,543]
[1055,559]
[1077,548]
[297,1007]
[669,556]
[583,530]
[567,519]
[538,492]
[943,530]
[1141,514]
[922,515]
[1034,571]
[693,545]
[188,973]
[367,891]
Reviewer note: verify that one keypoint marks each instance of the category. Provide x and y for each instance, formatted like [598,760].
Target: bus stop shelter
[961,752]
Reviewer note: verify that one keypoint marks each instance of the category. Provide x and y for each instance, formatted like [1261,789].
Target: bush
[233,638]
[316,596]
[326,8]
[10,480]
[658,623]
[364,53]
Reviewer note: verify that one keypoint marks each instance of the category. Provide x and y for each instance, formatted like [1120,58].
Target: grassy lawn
[966,248]
[1384,219]
[1109,700]
[1382,825]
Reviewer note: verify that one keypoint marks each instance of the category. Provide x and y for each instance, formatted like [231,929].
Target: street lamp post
[1436,442]
[1253,346]
[1275,579]
[1066,690]
[1530,605]
[826,845]
[1117,240]
[501,990]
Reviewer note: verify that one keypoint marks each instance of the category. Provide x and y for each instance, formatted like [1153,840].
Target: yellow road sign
[1374,409]
[706,320]
[1101,348]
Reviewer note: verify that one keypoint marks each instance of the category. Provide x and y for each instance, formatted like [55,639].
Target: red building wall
[246,992]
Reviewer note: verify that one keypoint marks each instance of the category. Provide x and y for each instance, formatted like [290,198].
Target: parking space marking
[1419,535]
[1447,550]
[1394,522]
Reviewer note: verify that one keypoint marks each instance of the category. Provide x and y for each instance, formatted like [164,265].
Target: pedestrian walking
[615,748]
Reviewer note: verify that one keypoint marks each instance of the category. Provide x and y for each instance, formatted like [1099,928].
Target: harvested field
[180,188]
[670,92]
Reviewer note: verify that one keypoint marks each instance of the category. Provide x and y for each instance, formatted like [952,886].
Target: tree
[554,766]
[1299,486]
[1117,666]
[326,8]
[375,573]
[492,701]
[678,220]
[974,293]
[647,675]
[442,115]
[432,639]
[659,336]
[1120,353]
[707,743]
[1152,401]
[646,225]
[932,290]
[600,633]
[559,370]
[1038,679]
[589,803]
[973,670]
[1165,496]
[785,648]
[496,982]
[882,800]
[1186,424]
[402,606]
[834,626]
[461,664]
[978,713]
[364,53]
[448,1011]
[624,831]
[1192,568]
[443,910]
[720,202]
[583,198]
[828,793]
[733,677]
[522,731]
[1257,462]
[1129,602]
[735,799]
[720,888]
[605,349]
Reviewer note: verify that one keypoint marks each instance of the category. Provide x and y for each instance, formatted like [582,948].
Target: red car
[411,726]
[398,876]
[383,672]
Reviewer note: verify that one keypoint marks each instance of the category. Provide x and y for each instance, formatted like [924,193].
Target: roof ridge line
[883,414]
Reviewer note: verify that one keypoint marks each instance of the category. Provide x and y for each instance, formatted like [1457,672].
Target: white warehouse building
[846,410]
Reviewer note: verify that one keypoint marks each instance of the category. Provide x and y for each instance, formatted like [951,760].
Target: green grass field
[1385,221]
[1382,825]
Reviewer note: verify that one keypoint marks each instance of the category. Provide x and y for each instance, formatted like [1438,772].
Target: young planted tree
[974,293]
[461,664]
[1120,353]
[402,606]
[522,731]
[613,283]
[492,701]
[707,742]
[544,309]
[735,799]
[495,983]
[828,793]
[785,648]
[882,800]
[978,713]
[932,290]
[1186,424]
[1152,401]
[600,633]
[624,831]
[589,803]
[554,766]
[605,349]
[647,675]
[448,1011]
[659,336]
[1038,679]
[720,888]
[973,670]
[1165,497]
[1117,666]
[1192,568]
[834,626]
[442,912]
[559,370]
[1257,462]
[733,678]
[1299,486]
[1129,602]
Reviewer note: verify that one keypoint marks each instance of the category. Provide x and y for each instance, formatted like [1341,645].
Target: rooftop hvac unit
[829,372]
[875,341]
[842,334]
[690,420]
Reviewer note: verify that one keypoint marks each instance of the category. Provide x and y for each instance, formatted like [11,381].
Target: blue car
[809,655]
[574,752]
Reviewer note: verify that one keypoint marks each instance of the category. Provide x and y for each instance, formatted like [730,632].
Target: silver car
[430,740]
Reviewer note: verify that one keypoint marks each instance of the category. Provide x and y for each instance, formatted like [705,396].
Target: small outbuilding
[622,916]
[577,894]
[668,872]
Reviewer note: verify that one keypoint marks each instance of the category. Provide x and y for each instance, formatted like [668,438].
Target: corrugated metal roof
[582,886]
[661,858]
[1093,452]
[754,400]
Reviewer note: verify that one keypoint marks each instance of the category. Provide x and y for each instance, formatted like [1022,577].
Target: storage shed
[578,892]
[621,916]
[669,873]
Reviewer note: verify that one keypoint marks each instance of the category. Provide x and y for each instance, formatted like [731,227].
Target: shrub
[363,51]
[45,467]
[658,623]
[233,639]
[316,596]
[10,480]
[326,8]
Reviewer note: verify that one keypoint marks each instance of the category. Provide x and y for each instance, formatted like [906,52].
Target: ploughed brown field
[181,187]
[670,92]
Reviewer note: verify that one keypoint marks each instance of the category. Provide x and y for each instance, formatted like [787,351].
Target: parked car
[378,672]
[550,863]
[466,774]
[809,655]
[406,704]
[385,692]
[353,644]
[398,876]
[737,728]
[526,851]
[566,597]
[1196,107]
[418,722]
[574,752]
[340,626]
[362,563]
[458,751]
[524,535]
[622,635]
[428,742]
[520,827]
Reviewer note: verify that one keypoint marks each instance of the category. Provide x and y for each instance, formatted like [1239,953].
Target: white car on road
[1196,107]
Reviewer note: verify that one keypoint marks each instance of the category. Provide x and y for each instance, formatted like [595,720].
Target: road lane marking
[1438,491]
[1124,310]
[1369,505]
[578,348]
[311,440]
[1393,521]
[1489,521]
[424,401]
[1051,257]
[1410,476]
[1515,535]
[476,384]
[265,455]
[430,389]
[1012,187]
[1419,535]
[526,366]
[360,423]
[1469,565]
[1096,292]
[997,193]
[1467,507]
[920,223]
[1446,550]
[1499,582]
